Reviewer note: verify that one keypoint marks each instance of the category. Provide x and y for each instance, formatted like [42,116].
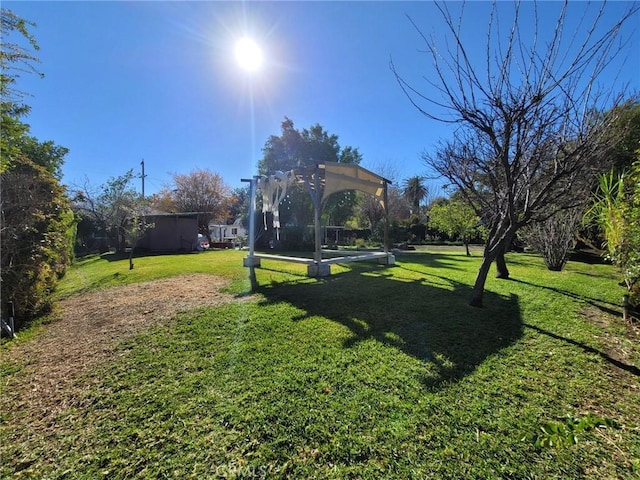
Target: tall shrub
[36,223]
[36,232]
[616,211]
[554,237]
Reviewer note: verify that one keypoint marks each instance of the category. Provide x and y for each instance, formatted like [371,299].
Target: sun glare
[248,54]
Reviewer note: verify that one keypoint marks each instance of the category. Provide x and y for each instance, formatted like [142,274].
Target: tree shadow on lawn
[589,257]
[605,356]
[427,317]
[436,260]
[600,304]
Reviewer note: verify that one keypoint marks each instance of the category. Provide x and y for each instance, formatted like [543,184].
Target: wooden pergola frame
[322,181]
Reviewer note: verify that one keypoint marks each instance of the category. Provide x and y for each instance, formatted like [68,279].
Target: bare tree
[529,137]
[370,211]
[554,237]
[201,191]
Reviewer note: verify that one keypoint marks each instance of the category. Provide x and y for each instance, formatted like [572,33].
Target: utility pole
[142,177]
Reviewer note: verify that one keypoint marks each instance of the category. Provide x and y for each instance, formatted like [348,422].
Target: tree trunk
[501,265]
[491,253]
[121,241]
[478,287]
[466,245]
[131,259]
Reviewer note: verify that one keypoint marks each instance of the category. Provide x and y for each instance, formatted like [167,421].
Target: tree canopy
[116,208]
[457,219]
[37,226]
[303,148]
[201,191]
[627,134]
[415,191]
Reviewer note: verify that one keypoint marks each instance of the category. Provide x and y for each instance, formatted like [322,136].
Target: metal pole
[251,261]
[143,175]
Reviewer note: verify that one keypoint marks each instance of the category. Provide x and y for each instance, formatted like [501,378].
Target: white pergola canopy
[338,177]
[321,181]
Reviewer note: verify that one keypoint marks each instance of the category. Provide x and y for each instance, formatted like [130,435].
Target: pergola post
[389,258]
[318,269]
[250,260]
[386,219]
[317,256]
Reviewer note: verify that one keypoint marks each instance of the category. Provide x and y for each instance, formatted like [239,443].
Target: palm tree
[415,191]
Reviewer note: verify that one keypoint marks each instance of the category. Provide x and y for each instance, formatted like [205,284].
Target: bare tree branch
[531,129]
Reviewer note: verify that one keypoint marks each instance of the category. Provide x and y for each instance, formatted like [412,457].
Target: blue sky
[126,81]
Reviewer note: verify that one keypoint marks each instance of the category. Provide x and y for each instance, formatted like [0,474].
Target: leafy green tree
[116,207]
[627,127]
[625,130]
[415,191]
[295,149]
[15,58]
[37,232]
[627,255]
[37,225]
[457,219]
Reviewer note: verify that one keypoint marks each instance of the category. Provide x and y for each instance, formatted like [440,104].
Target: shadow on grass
[425,316]
[608,358]
[588,257]
[436,260]
[595,302]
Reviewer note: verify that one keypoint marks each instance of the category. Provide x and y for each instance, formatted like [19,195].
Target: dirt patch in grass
[605,319]
[597,316]
[84,333]
[620,350]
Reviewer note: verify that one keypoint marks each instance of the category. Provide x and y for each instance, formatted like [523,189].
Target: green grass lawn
[374,372]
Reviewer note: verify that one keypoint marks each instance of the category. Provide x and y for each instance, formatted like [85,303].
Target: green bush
[37,237]
[37,225]
[616,211]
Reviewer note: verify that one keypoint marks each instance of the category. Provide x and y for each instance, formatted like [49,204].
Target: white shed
[234,234]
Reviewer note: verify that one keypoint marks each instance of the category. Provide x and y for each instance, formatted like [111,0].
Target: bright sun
[248,54]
